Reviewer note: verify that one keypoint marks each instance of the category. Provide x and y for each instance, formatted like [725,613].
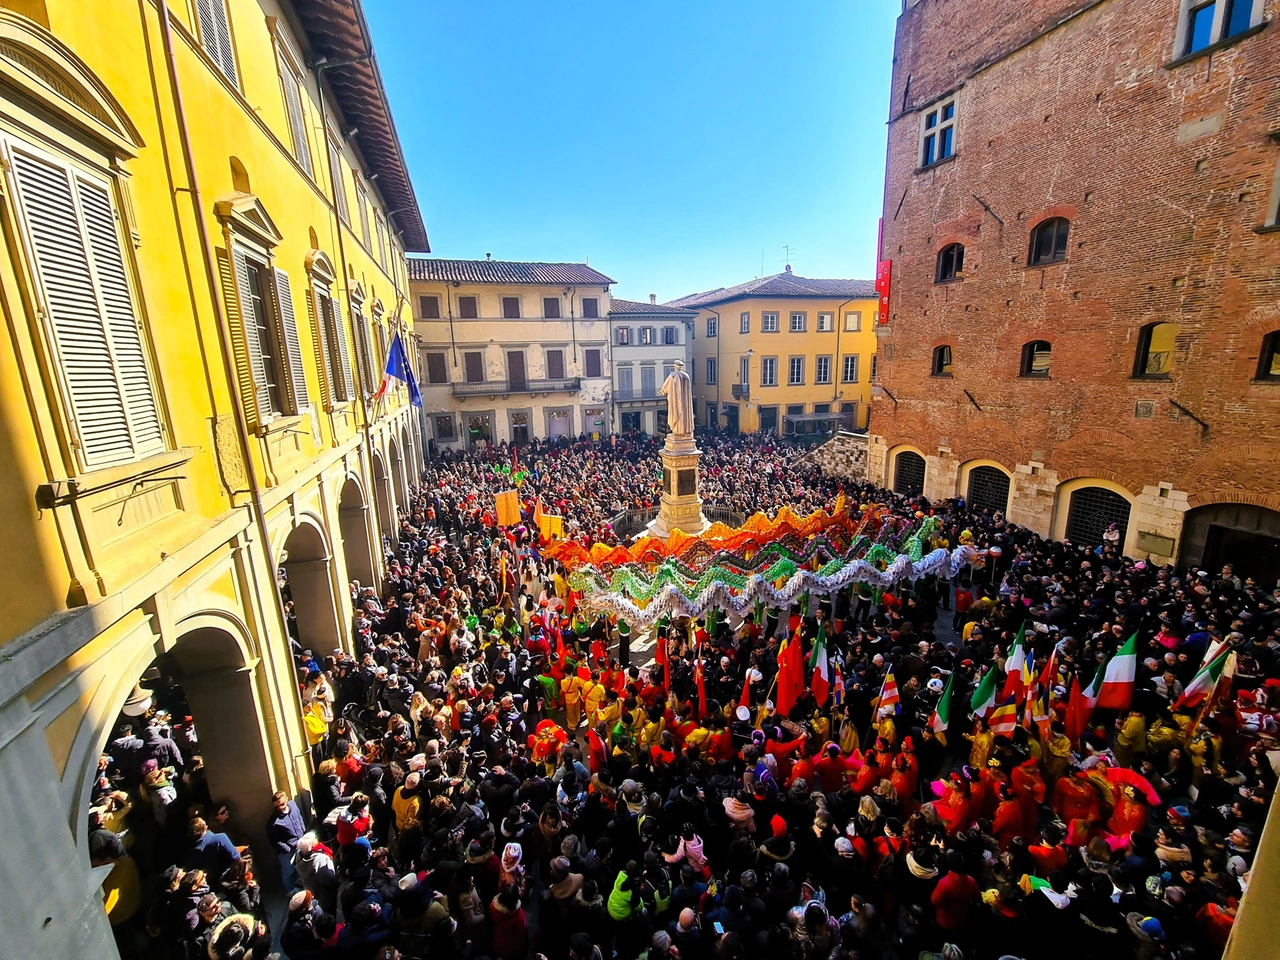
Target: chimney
[653,298]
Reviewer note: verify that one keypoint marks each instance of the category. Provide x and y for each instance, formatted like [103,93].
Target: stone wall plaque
[687,481]
[1154,543]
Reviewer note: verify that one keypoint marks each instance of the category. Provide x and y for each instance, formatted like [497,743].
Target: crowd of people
[492,781]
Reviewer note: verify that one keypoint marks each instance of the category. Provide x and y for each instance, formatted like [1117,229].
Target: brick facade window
[1035,359]
[1206,22]
[938,133]
[950,263]
[941,361]
[1154,360]
[1269,361]
[1049,241]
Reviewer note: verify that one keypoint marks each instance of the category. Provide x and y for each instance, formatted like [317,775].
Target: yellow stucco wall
[730,346]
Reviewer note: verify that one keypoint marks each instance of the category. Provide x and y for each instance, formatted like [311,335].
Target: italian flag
[984,698]
[941,718]
[1015,666]
[1116,692]
[821,682]
[1203,683]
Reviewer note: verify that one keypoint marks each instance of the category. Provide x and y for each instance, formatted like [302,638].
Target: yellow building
[204,210]
[779,353]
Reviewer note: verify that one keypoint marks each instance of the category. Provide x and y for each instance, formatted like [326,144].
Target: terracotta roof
[343,52]
[782,285]
[632,308]
[504,271]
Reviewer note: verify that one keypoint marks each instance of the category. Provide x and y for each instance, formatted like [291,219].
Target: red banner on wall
[884,274]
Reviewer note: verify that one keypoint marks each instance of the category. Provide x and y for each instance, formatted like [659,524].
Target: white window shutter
[292,347]
[215,36]
[358,326]
[254,393]
[315,305]
[78,326]
[371,386]
[297,116]
[346,388]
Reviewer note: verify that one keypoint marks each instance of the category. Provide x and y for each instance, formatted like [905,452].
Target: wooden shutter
[555,364]
[297,117]
[215,36]
[592,363]
[250,372]
[338,333]
[370,366]
[80,332]
[299,399]
[320,338]
[437,370]
[339,182]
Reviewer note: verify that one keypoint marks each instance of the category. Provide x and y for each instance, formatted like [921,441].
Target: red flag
[745,699]
[790,675]
[1080,703]
[561,650]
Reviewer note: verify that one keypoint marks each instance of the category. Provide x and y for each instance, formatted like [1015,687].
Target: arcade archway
[1241,534]
[308,582]
[385,499]
[353,522]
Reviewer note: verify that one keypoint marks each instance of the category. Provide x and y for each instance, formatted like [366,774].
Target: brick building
[1081,214]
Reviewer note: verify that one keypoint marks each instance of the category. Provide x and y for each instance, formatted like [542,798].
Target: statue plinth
[680,507]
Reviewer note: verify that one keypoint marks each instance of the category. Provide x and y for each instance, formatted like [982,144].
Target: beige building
[511,351]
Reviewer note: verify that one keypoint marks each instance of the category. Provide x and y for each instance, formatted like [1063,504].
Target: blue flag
[398,368]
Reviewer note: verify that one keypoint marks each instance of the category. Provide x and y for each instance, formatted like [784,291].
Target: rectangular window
[444,426]
[626,382]
[89,308]
[591,363]
[381,228]
[648,382]
[590,308]
[822,370]
[826,322]
[795,409]
[468,308]
[339,183]
[258,326]
[938,133]
[646,336]
[769,323]
[874,365]
[555,364]
[291,81]
[474,363]
[711,369]
[744,371]
[849,369]
[550,308]
[362,201]
[711,327]
[215,36]
[437,369]
[795,372]
[768,371]
[799,322]
[853,321]
[669,336]
[624,336]
[510,308]
[744,323]
[429,307]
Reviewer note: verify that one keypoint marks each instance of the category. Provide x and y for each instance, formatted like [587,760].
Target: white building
[646,339]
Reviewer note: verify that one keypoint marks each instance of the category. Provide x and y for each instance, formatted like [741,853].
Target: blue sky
[669,143]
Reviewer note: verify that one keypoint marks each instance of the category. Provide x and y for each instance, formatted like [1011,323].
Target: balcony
[493,388]
[631,393]
[741,391]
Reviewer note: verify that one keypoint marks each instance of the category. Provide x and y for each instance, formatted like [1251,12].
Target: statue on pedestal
[678,389]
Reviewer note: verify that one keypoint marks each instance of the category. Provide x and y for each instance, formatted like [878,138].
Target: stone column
[680,507]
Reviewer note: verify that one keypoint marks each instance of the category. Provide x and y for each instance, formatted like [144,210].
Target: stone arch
[383,497]
[307,562]
[397,470]
[1066,491]
[411,466]
[967,482]
[990,438]
[356,531]
[1246,535]
[892,463]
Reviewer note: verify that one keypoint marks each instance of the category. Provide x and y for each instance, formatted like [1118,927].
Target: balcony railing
[741,391]
[490,388]
[631,393]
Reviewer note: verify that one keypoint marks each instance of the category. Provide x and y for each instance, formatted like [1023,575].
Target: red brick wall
[1085,121]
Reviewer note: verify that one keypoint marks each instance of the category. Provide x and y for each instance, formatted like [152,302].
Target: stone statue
[678,389]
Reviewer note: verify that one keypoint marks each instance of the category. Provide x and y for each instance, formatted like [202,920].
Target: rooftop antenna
[790,253]
[762,261]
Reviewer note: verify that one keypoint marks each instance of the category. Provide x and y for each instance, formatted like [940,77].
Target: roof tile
[781,285]
[503,271]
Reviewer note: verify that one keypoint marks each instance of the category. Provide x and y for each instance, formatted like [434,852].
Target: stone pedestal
[680,507]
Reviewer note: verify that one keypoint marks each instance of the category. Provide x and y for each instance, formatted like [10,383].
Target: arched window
[1049,241]
[950,263]
[1035,359]
[1269,361]
[1154,360]
[908,473]
[988,489]
[941,361]
[1092,512]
